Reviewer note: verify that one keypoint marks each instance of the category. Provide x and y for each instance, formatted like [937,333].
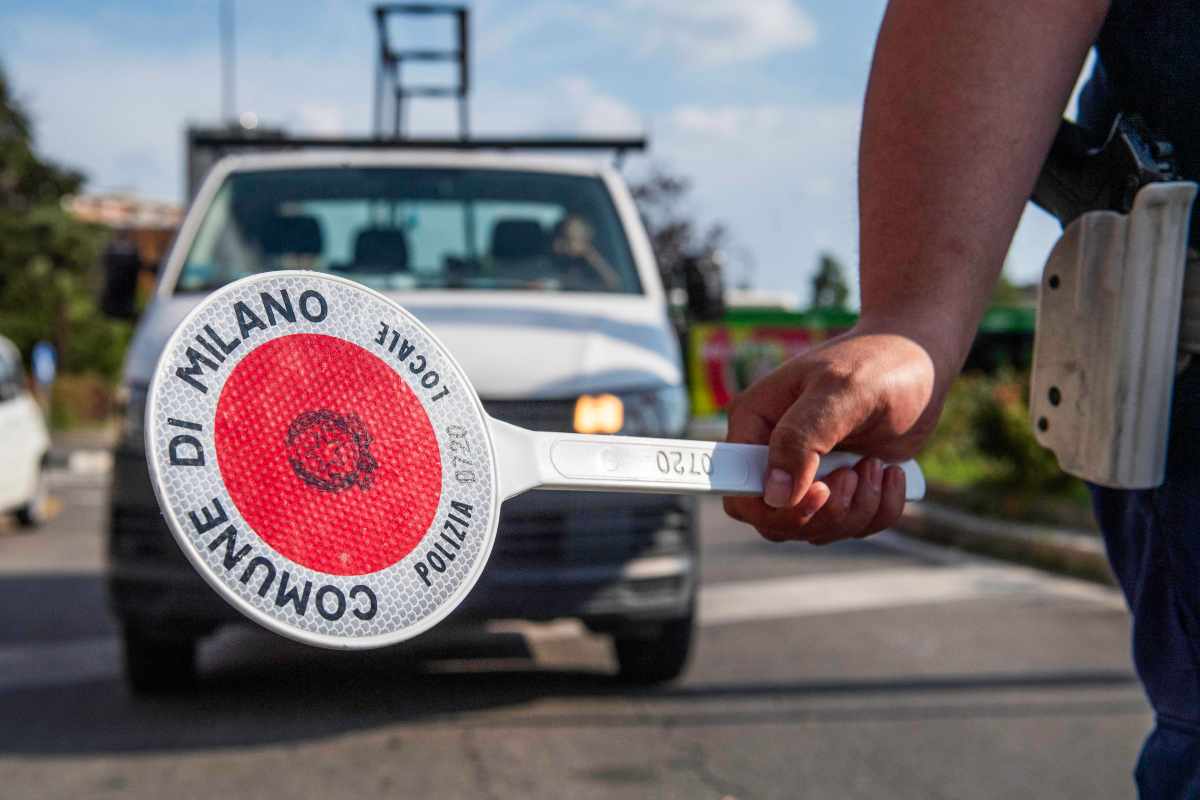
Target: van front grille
[537,415]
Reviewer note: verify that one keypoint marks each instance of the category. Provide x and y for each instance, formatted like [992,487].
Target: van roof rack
[205,146]
[247,140]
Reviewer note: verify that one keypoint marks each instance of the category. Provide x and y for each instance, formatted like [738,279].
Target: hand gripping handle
[531,460]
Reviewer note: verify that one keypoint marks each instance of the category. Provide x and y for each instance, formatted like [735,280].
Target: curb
[1071,552]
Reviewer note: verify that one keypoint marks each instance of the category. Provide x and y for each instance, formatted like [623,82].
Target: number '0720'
[676,462]
[460,452]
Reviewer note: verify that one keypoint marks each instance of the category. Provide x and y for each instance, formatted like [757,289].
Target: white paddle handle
[535,460]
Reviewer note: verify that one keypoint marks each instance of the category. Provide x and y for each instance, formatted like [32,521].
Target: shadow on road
[258,690]
[53,607]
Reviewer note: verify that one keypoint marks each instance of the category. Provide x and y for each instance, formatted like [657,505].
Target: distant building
[151,223]
[774,299]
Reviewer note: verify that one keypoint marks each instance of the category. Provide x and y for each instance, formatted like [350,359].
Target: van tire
[649,659]
[156,665]
[37,510]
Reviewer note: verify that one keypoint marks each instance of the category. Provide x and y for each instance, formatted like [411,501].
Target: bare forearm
[963,102]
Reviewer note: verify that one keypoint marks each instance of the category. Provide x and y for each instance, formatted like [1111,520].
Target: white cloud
[594,111]
[714,32]
[134,107]
[778,122]
[321,118]
[704,33]
[784,179]
[501,28]
[781,177]
[120,114]
[110,112]
[726,122]
[572,104]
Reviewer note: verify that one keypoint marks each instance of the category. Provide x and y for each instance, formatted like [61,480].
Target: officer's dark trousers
[1153,540]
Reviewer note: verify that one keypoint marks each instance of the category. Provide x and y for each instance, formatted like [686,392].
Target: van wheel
[156,665]
[37,510]
[658,657]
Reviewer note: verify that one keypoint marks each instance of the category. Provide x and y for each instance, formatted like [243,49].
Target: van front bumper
[609,559]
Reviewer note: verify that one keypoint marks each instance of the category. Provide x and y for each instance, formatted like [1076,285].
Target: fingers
[783,524]
[747,425]
[855,515]
[848,503]
[891,504]
[784,485]
[811,427]
[755,418]
[774,524]
[753,413]
[826,524]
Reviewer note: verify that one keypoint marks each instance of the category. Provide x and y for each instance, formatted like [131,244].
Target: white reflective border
[406,607]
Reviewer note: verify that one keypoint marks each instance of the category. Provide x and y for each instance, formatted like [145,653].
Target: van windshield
[405,228]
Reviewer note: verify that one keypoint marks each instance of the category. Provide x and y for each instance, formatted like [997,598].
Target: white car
[24,443]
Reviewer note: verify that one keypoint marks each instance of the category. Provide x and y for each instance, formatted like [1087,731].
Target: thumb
[811,427]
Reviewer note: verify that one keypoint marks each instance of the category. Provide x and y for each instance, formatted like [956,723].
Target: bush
[985,438]
[80,400]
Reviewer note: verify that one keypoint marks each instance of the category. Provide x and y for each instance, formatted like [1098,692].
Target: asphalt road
[863,670]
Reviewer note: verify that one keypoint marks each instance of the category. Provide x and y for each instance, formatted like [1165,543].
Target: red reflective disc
[327,454]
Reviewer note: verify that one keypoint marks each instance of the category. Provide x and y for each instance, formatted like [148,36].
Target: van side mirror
[705,287]
[121,268]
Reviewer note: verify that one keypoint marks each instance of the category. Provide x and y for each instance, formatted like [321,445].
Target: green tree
[674,233]
[830,289]
[48,259]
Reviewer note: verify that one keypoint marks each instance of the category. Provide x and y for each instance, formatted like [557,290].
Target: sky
[758,103]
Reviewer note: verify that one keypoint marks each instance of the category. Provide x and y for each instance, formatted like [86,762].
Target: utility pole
[228,63]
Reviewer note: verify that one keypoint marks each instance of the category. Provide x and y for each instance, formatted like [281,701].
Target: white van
[538,275]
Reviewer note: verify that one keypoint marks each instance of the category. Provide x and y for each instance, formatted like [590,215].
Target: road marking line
[814,595]
[745,601]
[90,462]
[32,664]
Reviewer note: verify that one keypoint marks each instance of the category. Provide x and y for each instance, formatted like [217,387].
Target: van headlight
[656,412]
